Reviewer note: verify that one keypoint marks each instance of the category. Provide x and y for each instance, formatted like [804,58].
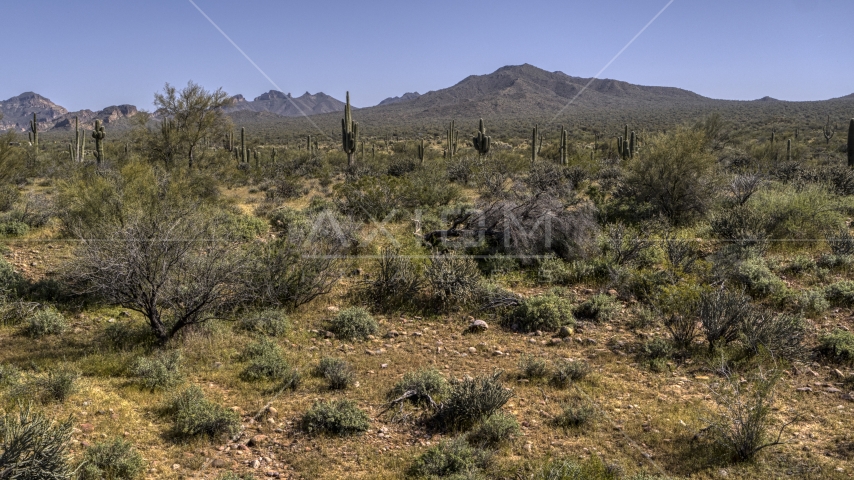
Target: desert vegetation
[201,300]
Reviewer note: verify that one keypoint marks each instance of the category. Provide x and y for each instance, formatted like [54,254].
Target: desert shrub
[335,417]
[533,368]
[574,413]
[656,352]
[675,174]
[126,335]
[396,281]
[370,198]
[841,242]
[429,187]
[802,214]
[568,371]
[336,371]
[722,313]
[194,415]
[286,220]
[682,329]
[599,308]
[837,345]
[547,313]
[781,335]
[758,279]
[9,279]
[9,375]
[622,245]
[500,428]
[234,476]
[549,177]
[112,460]
[593,469]
[469,401]
[453,280]
[353,324]
[425,385]
[9,195]
[840,294]
[499,264]
[14,228]
[34,447]
[293,270]
[240,227]
[59,384]
[448,458]
[743,419]
[47,321]
[812,302]
[266,362]
[163,370]
[400,166]
[800,264]
[462,169]
[743,230]
[270,322]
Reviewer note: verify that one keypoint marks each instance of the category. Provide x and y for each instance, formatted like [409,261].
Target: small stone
[87,427]
[392,334]
[498,353]
[256,463]
[832,390]
[332,309]
[529,446]
[175,466]
[803,389]
[478,326]
[564,332]
[557,341]
[590,341]
[272,411]
[219,463]
[612,292]
[329,335]
[472,350]
[384,365]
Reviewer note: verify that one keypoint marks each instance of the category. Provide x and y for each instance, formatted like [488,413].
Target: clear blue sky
[95,53]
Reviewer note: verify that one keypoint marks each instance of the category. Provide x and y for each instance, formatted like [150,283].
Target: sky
[96,53]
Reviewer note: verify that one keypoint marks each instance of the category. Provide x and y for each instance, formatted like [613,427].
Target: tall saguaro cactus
[34,131]
[851,143]
[789,150]
[481,141]
[244,155]
[419,151]
[349,133]
[536,143]
[828,131]
[451,140]
[563,149]
[99,136]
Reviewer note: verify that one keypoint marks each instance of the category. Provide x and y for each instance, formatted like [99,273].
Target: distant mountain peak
[286,105]
[403,98]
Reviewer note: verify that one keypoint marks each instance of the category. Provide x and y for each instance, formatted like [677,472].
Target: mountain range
[521,91]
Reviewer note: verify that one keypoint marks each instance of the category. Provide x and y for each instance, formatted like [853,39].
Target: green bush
[353,324]
[500,428]
[234,476]
[471,400]
[163,370]
[269,322]
[241,227]
[286,220]
[840,294]
[126,335]
[335,417]
[533,368]
[34,447]
[14,228]
[450,457]
[9,375]
[47,321]
[781,335]
[266,362]
[599,308]
[9,279]
[656,352]
[453,280]
[59,384]
[837,345]
[547,313]
[568,371]
[424,384]
[112,460]
[574,413]
[812,302]
[396,281]
[194,415]
[759,280]
[336,371]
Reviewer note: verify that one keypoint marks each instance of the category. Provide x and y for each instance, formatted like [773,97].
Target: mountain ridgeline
[509,98]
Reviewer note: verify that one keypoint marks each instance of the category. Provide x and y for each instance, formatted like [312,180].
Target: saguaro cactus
[563,149]
[420,151]
[851,143]
[273,156]
[481,141]
[244,154]
[789,150]
[451,140]
[99,136]
[34,131]
[349,133]
[828,131]
[536,143]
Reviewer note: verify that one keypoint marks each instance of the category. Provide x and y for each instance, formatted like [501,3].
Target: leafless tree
[170,266]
